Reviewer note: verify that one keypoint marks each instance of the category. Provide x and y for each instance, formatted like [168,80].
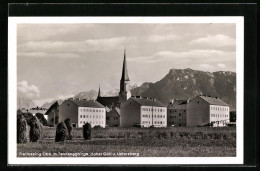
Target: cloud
[189,56]
[63,49]
[160,38]
[221,65]
[65,96]
[214,41]
[205,67]
[44,55]
[26,90]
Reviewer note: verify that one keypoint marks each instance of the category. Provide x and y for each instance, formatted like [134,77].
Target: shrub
[69,128]
[41,118]
[21,129]
[97,127]
[35,129]
[61,132]
[87,131]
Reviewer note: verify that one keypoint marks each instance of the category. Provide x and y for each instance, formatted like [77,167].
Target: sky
[56,61]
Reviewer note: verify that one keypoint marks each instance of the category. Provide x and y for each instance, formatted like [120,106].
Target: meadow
[131,142]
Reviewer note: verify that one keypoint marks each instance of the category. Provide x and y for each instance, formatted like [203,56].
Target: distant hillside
[89,95]
[25,102]
[47,105]
[187,83]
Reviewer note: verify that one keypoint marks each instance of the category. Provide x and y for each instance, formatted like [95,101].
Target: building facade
[143,112]
[113,117]
[177,112]
[203,110]
[53,114]
[81,112]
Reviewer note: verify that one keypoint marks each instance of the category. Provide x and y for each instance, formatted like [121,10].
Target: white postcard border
[12,93]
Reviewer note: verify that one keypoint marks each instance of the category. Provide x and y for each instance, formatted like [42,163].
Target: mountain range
[177,84]
[187,83]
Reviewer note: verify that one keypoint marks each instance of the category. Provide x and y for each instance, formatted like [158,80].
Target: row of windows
[93,122]
[155,116]
[89,116]
[172,116]
[149,109]
[219,108]
[171,110]
[112,117]
[92,110]
[155,122]
[219,115]
[172,122]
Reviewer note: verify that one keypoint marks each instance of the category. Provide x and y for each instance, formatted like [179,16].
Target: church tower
[124,93]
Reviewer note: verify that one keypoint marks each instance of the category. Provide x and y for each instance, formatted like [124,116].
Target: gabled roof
[213,100]
[148,102]
[114,111]
[87,103]
[54,105]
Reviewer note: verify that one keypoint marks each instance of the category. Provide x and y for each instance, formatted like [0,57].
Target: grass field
[142,142]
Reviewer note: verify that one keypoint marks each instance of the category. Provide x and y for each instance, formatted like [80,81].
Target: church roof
[125,76]
[108,101]
[148,102]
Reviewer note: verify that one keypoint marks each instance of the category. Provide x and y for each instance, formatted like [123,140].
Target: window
[83,116]
[198,102]
[179,114]
[80,116]
[184,111]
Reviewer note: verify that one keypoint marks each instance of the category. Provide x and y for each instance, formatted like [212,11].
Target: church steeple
[124,94]
[99,95]
[124,70]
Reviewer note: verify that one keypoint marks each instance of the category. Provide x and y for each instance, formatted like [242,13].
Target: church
[124,93]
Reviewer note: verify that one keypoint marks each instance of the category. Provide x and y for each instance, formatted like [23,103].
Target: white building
[82,111]
[144,112]
[204,110]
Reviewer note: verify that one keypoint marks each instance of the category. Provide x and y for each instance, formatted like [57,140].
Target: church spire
[124,70]
[99,92]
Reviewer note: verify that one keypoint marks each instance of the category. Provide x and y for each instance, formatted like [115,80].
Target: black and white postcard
[125,90]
